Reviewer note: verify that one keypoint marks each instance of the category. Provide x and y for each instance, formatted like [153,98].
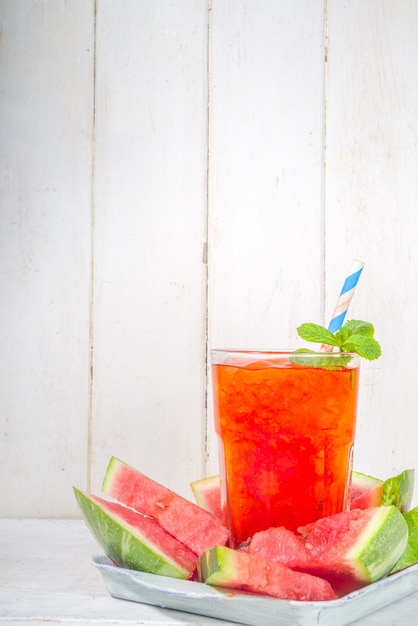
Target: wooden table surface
[46,577]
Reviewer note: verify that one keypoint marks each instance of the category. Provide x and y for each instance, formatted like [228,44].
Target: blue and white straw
[343,301]
[345,297]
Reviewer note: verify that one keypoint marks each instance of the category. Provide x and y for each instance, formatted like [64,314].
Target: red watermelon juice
[286,431]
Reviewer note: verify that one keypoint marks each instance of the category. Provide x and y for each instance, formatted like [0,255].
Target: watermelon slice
[366,491]
[186,521]
[349,549]
[134,541]
[207,493]
[225,567]
[410,555]
[399,490]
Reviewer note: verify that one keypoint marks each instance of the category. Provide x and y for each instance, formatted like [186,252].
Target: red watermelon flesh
[224,567]
[189,523]
[284,546]
[134,541]
[207,493]
[366,491]
[350,549]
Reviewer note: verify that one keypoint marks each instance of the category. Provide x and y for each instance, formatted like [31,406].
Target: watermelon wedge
[349,549]
[207,493]
[225,567]
[410,555]
[366,491]
[134,541]
[186,521]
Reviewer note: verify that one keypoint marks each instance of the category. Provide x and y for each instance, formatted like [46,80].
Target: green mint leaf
[325,360]
[367,347]
[317,334]
[355,327]
[358,327]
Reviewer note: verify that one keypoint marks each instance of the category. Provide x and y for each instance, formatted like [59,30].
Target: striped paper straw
[344,300]
[345,297]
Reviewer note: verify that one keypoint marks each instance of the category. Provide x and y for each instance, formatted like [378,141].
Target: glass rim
[283,352]
[218,356]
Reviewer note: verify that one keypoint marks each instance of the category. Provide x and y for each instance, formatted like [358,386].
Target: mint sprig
[354,336]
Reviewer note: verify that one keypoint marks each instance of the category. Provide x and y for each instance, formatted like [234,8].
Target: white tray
[252,609]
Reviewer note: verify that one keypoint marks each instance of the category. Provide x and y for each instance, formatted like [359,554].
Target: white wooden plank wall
[133,132]
[150,228]
[371,209]
[46,98]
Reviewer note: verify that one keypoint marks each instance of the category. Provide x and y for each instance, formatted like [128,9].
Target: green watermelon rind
[380,545]
[365,480]
[216,566]
[398,490]
[410,554]
[124,544]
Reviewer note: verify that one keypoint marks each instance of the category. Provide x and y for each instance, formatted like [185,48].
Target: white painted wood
[296,166]
[45,129]
[150,229]
[266,174]
[46,577]
[371,212]
[265,171]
